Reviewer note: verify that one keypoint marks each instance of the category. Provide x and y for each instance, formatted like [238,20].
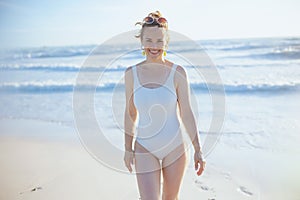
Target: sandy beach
[44,160]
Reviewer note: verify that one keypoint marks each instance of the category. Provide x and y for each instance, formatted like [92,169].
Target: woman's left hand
[199,160]
[128,159]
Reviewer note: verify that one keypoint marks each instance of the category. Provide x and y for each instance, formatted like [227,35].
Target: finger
[131,160]
[204,164]
[199,172]
[201,169]
[128,166]
[196,164]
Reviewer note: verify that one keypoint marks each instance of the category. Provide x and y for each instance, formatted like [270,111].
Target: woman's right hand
[128,159]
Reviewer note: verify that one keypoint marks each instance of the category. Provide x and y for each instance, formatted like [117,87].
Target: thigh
[174,166]
[148,172]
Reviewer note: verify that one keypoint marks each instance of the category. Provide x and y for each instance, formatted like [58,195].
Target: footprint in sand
[203,187]
[35,189]
[226,175]
[32,190]
[244,191]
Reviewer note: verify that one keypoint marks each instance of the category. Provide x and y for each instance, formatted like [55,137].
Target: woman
[155,89]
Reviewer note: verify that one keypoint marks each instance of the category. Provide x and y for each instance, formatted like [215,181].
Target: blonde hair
[155,14]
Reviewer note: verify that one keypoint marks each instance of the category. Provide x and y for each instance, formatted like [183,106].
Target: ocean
[260,76]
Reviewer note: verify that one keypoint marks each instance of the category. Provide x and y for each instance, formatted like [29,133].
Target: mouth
[154,52]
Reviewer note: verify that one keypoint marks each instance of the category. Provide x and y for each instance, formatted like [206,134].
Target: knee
[150,197]
[169,196]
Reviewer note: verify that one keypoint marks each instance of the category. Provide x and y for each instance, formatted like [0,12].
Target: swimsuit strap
[136,81]
[170,79]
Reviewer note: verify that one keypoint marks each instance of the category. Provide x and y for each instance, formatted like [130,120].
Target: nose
[153,46]
[156,46]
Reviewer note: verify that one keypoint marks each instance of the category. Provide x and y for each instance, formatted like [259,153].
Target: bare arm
[187,116]
[130,115]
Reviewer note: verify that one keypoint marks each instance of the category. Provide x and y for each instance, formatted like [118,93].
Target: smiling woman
[155,89]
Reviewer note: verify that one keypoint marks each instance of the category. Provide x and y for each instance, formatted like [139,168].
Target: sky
[34,23]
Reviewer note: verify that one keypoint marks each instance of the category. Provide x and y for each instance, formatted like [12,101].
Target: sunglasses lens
[148,20]
[162,20]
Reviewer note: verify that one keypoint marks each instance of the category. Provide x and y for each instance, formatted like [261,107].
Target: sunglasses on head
[150,20]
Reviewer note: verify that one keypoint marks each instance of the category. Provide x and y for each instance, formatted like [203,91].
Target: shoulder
[181,77]
[128,75]
[181,71]
[128,69]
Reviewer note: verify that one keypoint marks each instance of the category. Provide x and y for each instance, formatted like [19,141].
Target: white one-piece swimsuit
[158,128]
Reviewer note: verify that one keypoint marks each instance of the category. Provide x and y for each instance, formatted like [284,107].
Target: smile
[154,52]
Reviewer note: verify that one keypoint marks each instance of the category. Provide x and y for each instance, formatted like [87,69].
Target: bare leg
[173,170]
[148,173]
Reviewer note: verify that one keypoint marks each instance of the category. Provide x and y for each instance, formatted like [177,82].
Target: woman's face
[154,41]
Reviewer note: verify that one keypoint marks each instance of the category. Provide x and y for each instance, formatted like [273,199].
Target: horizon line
[95,44]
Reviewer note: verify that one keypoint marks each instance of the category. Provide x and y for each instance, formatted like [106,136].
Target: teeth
[154,51]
